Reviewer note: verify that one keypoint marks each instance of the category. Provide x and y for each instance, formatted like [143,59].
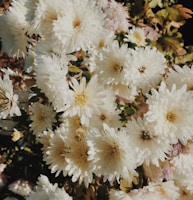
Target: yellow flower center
[171,117]
[81,99]
[138,37]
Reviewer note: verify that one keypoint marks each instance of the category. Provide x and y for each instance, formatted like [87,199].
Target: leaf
[186,13]
[74,69]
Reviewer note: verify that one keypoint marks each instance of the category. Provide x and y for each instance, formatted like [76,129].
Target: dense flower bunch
[104,103]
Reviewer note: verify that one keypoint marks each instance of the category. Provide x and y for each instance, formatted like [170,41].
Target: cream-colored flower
[8,100]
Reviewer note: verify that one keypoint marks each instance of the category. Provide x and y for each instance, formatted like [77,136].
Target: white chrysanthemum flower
[146,67]
[136,35]
[112,67]
[46,191]
[79,164]
[43,117]
[117,15]
[158,191]
[85,99]
[21,187]
[15,28]
[180,76]
[183,166]
[8,100]
[56,153]
[171,113]
[81,26]
[118,195]
[51,78]
[45,14]
[147,144]
[107,116]
[112,154]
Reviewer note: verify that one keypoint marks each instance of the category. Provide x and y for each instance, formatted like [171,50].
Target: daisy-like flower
[85,99]
[148,145]
[180,76]
[51,79]
[8,100]
[107,116]
[15,27]
[158,191]
[81,26]
[146,67]
[79,164]
[171,112]
[45,190]
[112,154]
[112,67]
[43,117]
[117,15]
[56,153]
[45,14]
[136,35]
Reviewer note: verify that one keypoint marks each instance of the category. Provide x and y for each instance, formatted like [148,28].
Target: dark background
[187,28]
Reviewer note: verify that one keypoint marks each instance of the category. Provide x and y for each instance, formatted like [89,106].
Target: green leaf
[74,69]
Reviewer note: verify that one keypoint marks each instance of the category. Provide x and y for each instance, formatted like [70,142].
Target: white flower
[136,35]
[85,99]
[51,78]
[157,191]
[44,14]
[146,67]
[112,154]
[149,146]
[79,163]
[111,68]
[43,117]
[107,116]
[56,153]
[15,27]
[180,76]
[117,15]
[81,26]
[171,113]
[8,100]
[47,191]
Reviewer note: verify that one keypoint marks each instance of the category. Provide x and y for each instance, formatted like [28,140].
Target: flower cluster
[106,98]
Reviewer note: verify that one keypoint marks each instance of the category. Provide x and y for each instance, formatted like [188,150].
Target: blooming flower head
[79,164]
[111,68]
[51,78]
[81,26]
[42,118]
[117,15]
[56,153]
[112,155]
[180,76]
[171,112]
[45,190]
[146,67]
[85,99]
[8,100]
[136,35]
[149,147]
[15,28]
